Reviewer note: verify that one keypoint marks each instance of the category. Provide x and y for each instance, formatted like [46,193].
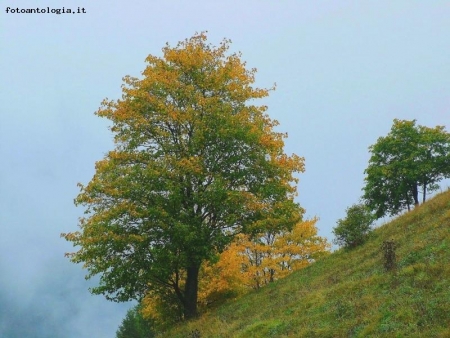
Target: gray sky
[344,70]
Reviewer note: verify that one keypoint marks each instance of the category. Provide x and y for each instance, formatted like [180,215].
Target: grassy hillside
[348,294]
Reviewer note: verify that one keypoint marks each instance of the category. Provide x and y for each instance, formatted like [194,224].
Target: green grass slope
[348,293]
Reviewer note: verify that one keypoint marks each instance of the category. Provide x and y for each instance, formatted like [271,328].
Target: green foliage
[195,163]
[409,159]
[354,228]
[135,326]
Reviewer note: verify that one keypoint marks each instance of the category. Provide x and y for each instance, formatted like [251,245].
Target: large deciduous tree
[195,163]
[410,160]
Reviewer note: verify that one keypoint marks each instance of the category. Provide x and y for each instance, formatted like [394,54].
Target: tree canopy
[195,163]
[410,160]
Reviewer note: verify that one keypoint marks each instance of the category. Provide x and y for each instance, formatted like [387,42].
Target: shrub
[353,230]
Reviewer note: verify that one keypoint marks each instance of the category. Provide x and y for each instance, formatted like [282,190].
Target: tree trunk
[191,292]
[272,273]
[415,192]
[407,201]
[424,192]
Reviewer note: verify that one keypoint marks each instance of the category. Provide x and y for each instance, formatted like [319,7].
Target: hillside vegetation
[348,293]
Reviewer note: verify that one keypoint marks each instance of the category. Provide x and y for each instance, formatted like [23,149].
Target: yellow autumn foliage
[249,264]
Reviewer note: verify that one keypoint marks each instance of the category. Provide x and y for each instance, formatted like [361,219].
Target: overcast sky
[344,70]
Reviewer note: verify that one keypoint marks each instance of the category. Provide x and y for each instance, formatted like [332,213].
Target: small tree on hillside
[410,160]
[353,229]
